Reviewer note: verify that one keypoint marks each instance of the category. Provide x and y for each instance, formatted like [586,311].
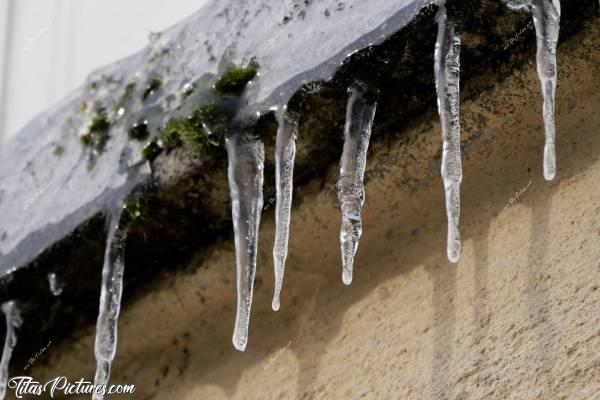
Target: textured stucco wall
[517,318]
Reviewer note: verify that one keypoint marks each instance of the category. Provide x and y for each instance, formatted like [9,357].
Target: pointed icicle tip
[276,304]
[239,343]
[347,277]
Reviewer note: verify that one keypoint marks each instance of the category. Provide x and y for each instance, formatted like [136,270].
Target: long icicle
[285,154]
[110,300]
[245,172]
[546,18]
[360,113]
[447,79]
[13,321]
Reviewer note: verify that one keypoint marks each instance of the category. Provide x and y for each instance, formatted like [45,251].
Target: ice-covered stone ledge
[70,165]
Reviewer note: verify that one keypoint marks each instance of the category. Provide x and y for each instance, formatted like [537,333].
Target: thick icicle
[447,78]
[285,154]
[110,300]
[246,163]
[546,18]
[350,188]
[13,321]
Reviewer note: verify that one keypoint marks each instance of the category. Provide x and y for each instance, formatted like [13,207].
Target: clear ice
[110,300]
[447,79]
[546,18]
[285,154]
[350,188]
[13,321]
[246,157]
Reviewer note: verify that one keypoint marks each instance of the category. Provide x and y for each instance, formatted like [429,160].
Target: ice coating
[246,157]
[546,18]
[447,80]
[110,300]
[285,154]
[350,188]
[13,321]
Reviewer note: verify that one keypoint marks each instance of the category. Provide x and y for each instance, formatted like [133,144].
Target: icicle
[447,77]
[245,173]
[13,321]
[285,153]
[110,300]
[350,189]
[546,18]
[55,286]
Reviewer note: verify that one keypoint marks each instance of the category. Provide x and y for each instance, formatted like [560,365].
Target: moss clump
[185,130]
[170,137]
[139,130]
[195,130]
[214,119]
[100,123]
[125,97]
[97,134]
[152,87]
[234,79]
[134,212]
[151,151]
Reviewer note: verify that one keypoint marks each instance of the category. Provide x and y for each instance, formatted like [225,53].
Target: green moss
[97,134]
[195,137]
[152,87]
[58,150]
[99,123]
[134,212]
[234,79]
[184,130]
[86,139]
[151,151]
[139,130]
[214,118]
[170,137]
[125,97]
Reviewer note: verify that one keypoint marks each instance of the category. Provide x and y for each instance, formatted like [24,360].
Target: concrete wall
[47,48]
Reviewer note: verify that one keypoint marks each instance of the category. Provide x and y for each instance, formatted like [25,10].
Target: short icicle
[546,18]
[285,154]
[110,299]
[13,321]
[360,113]
[245,172]
[447,79]
[55,286]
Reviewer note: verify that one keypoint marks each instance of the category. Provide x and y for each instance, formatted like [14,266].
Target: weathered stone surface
[516,318]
